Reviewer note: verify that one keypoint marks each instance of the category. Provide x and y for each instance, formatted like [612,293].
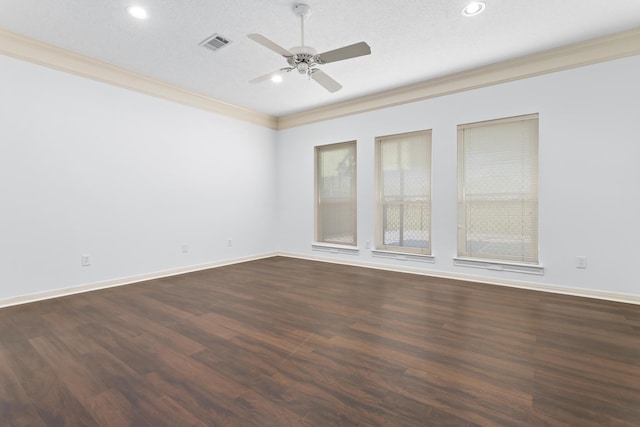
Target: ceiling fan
[305,59]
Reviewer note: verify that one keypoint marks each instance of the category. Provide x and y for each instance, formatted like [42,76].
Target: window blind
[404,192]
[336,193]
[498,190]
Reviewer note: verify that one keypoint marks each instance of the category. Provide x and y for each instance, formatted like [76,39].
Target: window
[498,190]
[404,193]
[336,194]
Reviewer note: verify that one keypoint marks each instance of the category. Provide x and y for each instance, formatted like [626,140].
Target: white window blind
[404,193]
[336,193]
[498,190]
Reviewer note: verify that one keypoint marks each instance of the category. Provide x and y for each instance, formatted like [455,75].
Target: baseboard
[563,290]
[56,293]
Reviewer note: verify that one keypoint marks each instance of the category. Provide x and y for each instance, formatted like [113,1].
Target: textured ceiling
[411,40]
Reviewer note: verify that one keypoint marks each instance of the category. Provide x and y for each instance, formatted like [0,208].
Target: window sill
[499,266]
[404,256]
[335,249]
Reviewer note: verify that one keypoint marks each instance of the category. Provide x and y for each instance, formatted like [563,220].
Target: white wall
[88,168]
[589,173]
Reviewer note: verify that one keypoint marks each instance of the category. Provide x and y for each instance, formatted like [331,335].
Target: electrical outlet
[581,262]
[368,244]
[185,248]
[85,260]
[229,243]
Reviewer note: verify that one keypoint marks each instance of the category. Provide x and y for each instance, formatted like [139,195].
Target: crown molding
[593,51]
[24,48]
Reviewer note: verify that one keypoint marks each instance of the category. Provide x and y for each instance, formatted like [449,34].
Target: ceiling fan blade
[270,75]
[259,38]
[325,81]
[346,52]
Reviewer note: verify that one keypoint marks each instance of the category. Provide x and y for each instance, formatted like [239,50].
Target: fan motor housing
[302,55]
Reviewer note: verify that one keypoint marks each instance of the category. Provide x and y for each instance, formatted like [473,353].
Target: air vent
[215,42]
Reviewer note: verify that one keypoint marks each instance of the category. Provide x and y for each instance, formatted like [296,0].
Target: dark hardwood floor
[286,342]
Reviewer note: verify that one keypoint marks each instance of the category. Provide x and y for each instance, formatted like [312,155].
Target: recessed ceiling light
[137,12]
[277,78]
[473,8]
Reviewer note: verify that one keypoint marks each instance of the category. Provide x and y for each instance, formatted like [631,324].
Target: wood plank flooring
[287,342]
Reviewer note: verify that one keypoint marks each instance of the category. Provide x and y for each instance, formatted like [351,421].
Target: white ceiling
[411,40]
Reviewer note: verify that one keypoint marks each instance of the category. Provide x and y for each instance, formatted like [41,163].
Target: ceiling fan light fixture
[303,68]
[474,8]
[137,12]
[276,78]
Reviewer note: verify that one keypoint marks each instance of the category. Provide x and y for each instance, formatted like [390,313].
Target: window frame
[380,247]
[465,257]
[319,239]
